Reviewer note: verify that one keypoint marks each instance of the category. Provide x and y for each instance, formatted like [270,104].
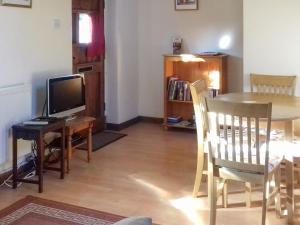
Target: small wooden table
[36,133]
[74,126]
[285,109]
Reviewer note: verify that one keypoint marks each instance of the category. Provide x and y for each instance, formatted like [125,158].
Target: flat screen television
[65,95]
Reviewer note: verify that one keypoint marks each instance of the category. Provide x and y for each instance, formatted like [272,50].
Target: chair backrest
[237,145]
[198,92]
[271,84]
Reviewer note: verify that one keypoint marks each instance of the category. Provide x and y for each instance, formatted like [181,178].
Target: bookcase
[187,69]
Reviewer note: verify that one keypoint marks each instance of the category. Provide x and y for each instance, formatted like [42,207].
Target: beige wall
[32,48]
[122,76]
[140,37]
[201,30]
[271,39]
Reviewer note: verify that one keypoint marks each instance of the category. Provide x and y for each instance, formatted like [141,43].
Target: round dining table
[285,109]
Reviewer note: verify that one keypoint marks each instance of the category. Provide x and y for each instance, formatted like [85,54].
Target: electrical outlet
[56,24]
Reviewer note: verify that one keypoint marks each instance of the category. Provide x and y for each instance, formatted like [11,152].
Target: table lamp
[214,82]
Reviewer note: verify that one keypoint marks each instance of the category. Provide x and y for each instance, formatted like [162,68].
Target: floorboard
[148,173]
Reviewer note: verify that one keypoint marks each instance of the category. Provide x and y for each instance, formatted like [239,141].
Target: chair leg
[198,179]
[297,171]
[264,206]
[248,188]
[212,198]
[225,195]
[289,170]
[199,173]
[277,196]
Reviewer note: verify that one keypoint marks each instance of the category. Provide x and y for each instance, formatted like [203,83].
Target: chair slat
[233,137]
[241,139]
[249,139]
[225,127]
[257,140]
[218,134]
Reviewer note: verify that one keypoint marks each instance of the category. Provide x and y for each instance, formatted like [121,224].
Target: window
[85,28]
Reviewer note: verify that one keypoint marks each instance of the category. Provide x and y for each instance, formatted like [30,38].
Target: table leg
[69,153]
[290,190]
[89,144]
[15,161]
[40,154]
[62,154]
[289,136]
[289,130]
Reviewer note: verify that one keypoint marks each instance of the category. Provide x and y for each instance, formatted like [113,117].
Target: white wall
[32,49]
[122,78]
[271,38]
[201,31]
[139,32]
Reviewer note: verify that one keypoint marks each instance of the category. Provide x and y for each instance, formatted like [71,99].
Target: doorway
[88,54]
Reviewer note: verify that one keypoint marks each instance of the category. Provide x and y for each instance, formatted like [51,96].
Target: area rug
[35,211]
[102,139]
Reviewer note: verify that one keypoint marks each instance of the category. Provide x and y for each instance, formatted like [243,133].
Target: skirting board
[121,126]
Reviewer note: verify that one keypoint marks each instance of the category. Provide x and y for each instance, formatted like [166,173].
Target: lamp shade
[214,80]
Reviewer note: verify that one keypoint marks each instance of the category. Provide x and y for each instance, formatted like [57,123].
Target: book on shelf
[210,53]
[179,90]
[183,123]
[174,119]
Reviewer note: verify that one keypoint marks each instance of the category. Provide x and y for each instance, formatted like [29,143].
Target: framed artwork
[186,4]
[18,3]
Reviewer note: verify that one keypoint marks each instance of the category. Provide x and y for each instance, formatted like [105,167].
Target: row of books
[179,90]
[179,122]
[174,119]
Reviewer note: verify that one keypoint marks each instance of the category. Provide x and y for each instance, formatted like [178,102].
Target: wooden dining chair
[277,85]
[236,154]
[198,92]
[272,84]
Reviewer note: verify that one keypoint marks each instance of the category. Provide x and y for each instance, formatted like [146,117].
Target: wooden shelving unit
[198,68]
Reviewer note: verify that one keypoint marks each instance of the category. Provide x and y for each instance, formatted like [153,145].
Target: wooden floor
[148,173]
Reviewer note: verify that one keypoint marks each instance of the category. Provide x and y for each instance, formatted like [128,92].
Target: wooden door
[92,68]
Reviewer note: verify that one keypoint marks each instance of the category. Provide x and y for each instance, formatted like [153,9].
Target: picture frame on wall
[186,4]
[17,3]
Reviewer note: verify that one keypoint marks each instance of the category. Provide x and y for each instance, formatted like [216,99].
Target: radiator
[15,106]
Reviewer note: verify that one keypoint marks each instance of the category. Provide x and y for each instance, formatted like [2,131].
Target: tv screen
[66,95]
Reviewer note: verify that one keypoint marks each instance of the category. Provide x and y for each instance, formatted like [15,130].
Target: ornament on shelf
[177,45]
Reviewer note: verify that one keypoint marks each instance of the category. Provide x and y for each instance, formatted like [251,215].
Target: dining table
[285,110]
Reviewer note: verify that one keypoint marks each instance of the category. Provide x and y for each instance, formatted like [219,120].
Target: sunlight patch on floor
[189,206]
[157,190]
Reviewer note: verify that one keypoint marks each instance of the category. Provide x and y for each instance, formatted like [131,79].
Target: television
[65,95]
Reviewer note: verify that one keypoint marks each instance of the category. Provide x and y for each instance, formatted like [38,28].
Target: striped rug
[34,211]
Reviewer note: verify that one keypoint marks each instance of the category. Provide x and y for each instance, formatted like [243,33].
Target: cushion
[135,221]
